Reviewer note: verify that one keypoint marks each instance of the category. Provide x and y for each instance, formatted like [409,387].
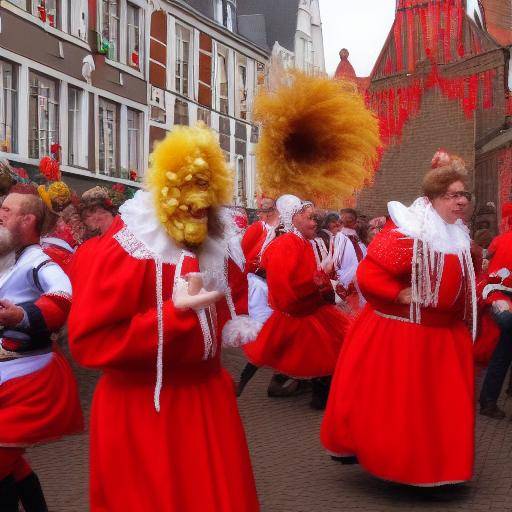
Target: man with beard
[38,394]
[153,299]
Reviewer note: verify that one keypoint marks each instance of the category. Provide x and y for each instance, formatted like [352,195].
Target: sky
[361,26]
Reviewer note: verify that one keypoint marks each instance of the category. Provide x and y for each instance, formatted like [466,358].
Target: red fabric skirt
[300,346]
[42,406]
[402,401]
[192,456]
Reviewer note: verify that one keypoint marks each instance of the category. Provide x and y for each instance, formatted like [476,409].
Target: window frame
[36,151]
[11,143]
[222,51]
[139,130]
[115,171]
[178,52]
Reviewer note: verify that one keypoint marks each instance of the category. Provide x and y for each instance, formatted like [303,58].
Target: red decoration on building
[50,168]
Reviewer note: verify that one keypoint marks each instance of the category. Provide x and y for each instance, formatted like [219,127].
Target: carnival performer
[331,243]
[256,239]
[401,400]
[97,211]
[497,295]
[38,393]
[348,218]
[303,336]
[153,299]
[234,224]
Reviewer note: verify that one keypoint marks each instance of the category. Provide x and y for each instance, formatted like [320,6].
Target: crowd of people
[376,318]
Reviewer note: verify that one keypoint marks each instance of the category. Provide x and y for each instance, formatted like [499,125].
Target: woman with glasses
[401,400]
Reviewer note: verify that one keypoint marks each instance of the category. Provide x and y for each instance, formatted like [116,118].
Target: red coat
[402,396]
[303,336]
[500,252]
[252,243]
[192,455]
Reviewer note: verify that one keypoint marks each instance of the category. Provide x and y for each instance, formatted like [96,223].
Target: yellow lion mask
[188,175]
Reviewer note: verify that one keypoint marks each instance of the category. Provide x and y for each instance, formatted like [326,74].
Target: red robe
[402,396]
[500,252]
[252,244]
[192,455]
[303,336]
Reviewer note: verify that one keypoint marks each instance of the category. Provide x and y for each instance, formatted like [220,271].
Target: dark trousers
[500,361]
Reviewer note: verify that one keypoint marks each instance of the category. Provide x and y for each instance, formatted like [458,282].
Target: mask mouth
[199,214]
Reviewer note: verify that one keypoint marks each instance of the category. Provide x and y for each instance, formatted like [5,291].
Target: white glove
[500,306]
[327,264]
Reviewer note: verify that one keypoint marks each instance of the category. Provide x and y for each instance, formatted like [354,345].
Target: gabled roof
[280,19]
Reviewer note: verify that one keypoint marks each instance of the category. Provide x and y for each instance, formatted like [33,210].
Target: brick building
[441,80]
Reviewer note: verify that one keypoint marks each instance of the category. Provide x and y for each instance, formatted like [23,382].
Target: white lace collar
[147,238]
[420,221]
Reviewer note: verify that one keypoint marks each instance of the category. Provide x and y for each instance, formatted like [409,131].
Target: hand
[327,264]
[405,296]
[500,306]
[10,314]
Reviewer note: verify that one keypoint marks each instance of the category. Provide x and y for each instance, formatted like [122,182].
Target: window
[225,13]
[110,28]
[109,129]
[74,124]
[133,35]
[134,141]
[205,116]
[8,107]
[78,18]
[48,11]
[22,4]
[43,115]
[222,81]
[181,112]
[182,59]
[241,189]
[241,87]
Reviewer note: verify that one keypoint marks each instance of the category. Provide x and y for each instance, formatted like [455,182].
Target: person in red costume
[497,296]
[39,399]
[304,334]
[401,401]
[153,299]
[259,234]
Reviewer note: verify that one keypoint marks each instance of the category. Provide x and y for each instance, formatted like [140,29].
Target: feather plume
[319,141]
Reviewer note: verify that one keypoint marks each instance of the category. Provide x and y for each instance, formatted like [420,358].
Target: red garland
[397,32]
[411,60]
[460,28]
[50,168]
[447,40]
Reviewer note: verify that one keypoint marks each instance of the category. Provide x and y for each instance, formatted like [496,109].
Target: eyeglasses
[458,195]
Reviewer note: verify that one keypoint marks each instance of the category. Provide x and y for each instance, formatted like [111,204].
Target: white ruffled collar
[140,219]
[421,221]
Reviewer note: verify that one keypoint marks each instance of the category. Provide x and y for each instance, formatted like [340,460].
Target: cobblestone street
[293,474]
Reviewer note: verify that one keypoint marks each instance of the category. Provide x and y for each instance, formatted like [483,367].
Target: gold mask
[188,176]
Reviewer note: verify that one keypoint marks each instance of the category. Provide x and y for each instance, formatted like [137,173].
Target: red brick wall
[440,123]
[498,15]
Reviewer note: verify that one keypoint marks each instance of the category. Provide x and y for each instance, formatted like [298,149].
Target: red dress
[303,336]
[192,455]
[500,252]
[402,396]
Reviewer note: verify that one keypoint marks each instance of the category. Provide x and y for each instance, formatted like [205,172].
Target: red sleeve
[290,266]
[113,320]
[386,270]
[251,243]
[54,310]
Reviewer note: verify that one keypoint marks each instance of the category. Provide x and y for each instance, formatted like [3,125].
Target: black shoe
[346,461]
[491,410]
[282,386]
[31,494]
[8,495]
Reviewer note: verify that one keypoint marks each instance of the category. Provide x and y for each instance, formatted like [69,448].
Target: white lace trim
[132,245]
[160,321]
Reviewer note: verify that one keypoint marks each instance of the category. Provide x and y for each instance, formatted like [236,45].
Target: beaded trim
[132,245]
[160,321]
[393,317]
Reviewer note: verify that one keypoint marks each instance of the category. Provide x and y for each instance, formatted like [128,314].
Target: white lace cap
[288,206]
